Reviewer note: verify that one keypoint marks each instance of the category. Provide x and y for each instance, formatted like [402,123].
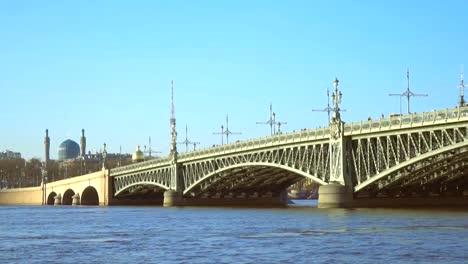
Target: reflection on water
[300,233]
[306,203]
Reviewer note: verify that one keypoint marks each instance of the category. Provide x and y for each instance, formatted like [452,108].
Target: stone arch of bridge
[51,198]
[89,196]
[142,183]
[408,163]
[250,165]
[67,197]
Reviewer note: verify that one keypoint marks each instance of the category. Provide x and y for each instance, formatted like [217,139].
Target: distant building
[68,150]
[138,156]
[8,154]
[74,160]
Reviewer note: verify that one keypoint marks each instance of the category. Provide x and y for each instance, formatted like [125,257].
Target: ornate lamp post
[18,176]
[337,193]
[104,155]
[336,100]
[44,185]
[336,123]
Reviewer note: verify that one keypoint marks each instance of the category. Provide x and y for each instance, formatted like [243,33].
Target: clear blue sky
[106,66]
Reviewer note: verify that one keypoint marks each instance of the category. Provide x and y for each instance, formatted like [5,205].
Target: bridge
[419,154]
[403,157]
[89,189]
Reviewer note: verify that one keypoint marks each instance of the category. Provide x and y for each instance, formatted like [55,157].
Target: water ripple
[216,235]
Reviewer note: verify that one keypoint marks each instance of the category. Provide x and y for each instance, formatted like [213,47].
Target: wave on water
[318,232]
[100,240]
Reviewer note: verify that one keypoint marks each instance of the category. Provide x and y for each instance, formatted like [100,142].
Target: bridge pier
[173,198]
[76,199]
[58,199]
[334,195]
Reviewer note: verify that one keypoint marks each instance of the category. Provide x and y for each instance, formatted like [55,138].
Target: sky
[106,66]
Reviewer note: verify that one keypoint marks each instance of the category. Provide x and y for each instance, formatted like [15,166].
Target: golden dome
[138,155]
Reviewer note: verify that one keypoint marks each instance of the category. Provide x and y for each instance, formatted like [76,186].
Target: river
[297,234]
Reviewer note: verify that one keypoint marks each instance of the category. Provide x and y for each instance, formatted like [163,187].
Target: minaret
[83,144]
[47,148]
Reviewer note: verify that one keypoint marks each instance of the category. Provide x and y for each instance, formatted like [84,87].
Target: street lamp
[104,155]
[18,176]
[336,100]
[44,185]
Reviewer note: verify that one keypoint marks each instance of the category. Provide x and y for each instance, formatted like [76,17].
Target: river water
[297,234]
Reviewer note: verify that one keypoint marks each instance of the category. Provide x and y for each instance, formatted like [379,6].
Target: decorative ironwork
[386,154]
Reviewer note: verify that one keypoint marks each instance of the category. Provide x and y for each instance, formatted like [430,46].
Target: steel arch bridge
[421,152]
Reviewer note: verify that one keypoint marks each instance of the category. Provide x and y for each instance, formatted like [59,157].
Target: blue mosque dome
[69,149]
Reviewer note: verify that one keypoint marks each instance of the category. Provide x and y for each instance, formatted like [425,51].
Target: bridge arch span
[254,171]
[67,197]
[423,169]
[127,187]
[51,198]
[89,196]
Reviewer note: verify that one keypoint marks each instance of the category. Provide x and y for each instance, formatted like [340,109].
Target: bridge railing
[140,166]
[286,138]
[402,121]
[405,121]
[304,135]
[276,140]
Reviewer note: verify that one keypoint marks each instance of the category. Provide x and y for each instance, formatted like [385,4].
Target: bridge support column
[58,199]
[283,197]
[334,195]
[173,198]
[76,199]
[337,194]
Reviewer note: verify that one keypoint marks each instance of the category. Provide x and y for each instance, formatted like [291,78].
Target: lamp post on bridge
[220,133]
[173,196]
[226,131]
[408,94]
[2,180]
[336,100]
[104,156]
[338,192]
[336,124]
[44,184]
[18,176]
[272,123]
[462,101]
[187,141]
[328,109]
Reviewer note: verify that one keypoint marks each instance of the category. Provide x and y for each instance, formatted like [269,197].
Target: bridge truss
[423,152]
[264,170]
[410,159]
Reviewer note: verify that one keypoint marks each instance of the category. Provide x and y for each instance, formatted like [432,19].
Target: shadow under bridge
[246,179]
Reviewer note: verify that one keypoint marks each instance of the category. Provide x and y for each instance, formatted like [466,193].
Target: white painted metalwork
[389,153]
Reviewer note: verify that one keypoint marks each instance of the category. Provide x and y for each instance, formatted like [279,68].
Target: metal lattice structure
[386,155]
[260,170]
[425,148]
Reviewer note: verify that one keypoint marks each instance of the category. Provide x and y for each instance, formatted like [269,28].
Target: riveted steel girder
[388,153]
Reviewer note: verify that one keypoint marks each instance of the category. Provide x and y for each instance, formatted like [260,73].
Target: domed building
[138,155]
[69,149]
